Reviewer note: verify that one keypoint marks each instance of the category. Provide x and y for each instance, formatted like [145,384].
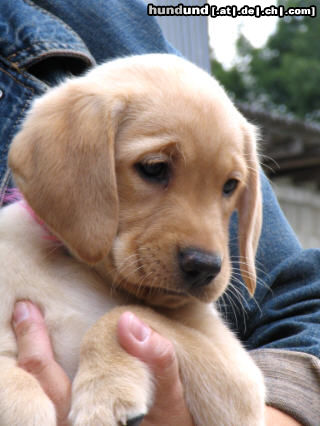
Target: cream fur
[74,161]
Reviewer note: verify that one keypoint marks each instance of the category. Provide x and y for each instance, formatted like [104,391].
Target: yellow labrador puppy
[135,168]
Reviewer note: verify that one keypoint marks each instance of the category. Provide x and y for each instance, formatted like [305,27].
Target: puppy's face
[178,183]
[172,159]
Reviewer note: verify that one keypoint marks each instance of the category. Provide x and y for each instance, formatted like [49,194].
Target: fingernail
[138,329]
[21,312]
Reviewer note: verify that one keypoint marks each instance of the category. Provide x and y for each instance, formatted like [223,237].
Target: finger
[158,353]
[32,337]
[139,340]
[35,355]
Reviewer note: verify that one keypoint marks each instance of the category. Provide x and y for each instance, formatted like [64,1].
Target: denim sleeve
[281,324]
[111,28]
[285,310]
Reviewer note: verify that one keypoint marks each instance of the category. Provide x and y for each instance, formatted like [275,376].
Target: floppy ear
[63,162]
[250,211]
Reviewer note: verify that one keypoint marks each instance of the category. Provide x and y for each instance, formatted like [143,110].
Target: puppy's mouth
[168,290]
[165,297]
[143,290]
[157,296]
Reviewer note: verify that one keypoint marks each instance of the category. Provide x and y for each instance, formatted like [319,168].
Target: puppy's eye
[155,172]
[229,187]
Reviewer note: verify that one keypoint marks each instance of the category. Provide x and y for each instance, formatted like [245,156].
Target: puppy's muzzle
[198,267]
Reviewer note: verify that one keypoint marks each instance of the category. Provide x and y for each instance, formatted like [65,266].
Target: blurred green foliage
[285,73]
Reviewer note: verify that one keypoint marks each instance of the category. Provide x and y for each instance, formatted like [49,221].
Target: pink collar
[13,195]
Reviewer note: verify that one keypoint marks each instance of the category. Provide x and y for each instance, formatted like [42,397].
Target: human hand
[169,408]
[277,417]
[158,353]
[35,355]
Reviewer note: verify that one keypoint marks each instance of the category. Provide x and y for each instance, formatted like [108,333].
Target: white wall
[302,209]
[189,34]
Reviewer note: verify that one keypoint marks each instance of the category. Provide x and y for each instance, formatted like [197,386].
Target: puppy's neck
[13,195]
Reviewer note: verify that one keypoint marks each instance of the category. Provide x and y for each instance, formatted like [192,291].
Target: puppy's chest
[74,301]
[71,296]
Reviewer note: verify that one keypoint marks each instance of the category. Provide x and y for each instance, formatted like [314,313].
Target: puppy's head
[137,168]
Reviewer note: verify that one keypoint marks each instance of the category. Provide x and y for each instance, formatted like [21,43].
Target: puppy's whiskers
[119,277]
[241,260]
[237,279]
[239,296]
[141,286]
[232,306]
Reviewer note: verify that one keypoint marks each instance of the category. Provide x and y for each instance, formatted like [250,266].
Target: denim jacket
[43,40]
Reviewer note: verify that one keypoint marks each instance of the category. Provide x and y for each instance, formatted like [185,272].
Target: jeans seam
[41,44]
[56,18]
[16,80]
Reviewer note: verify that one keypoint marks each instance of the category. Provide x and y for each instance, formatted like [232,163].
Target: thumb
[158,353]
[147,345]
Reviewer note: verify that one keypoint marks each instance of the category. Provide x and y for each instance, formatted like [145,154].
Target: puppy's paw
[27,412]
[22,399]
[135,421]
[99,403]
[104,415]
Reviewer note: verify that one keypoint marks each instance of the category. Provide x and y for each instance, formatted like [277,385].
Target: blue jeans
[44,39]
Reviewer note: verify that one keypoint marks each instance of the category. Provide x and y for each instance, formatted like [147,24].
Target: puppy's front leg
[111,387]
[223,387]
[22,400]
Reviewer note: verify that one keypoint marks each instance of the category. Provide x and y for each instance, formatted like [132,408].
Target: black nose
[198,267]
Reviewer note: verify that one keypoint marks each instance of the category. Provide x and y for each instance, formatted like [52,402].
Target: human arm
[281,324]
